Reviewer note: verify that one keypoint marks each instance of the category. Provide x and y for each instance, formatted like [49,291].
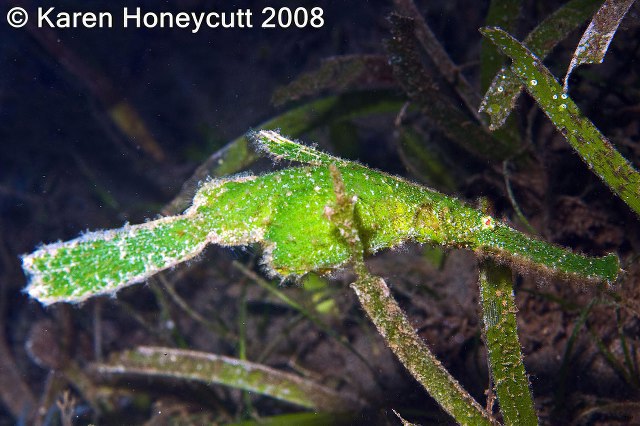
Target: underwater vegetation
[316,238]
[290,213]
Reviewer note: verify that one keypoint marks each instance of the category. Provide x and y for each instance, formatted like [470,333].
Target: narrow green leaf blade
[435,103]
[505,88]
[148,361]
[393,325]
[338,74]
[447,68]
[502,14]
[614,170]
[501,337]
[301,419]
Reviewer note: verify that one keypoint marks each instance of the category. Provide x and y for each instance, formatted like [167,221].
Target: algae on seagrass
[287,213]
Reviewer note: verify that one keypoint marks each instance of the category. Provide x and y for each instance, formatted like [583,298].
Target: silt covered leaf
[596,39]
